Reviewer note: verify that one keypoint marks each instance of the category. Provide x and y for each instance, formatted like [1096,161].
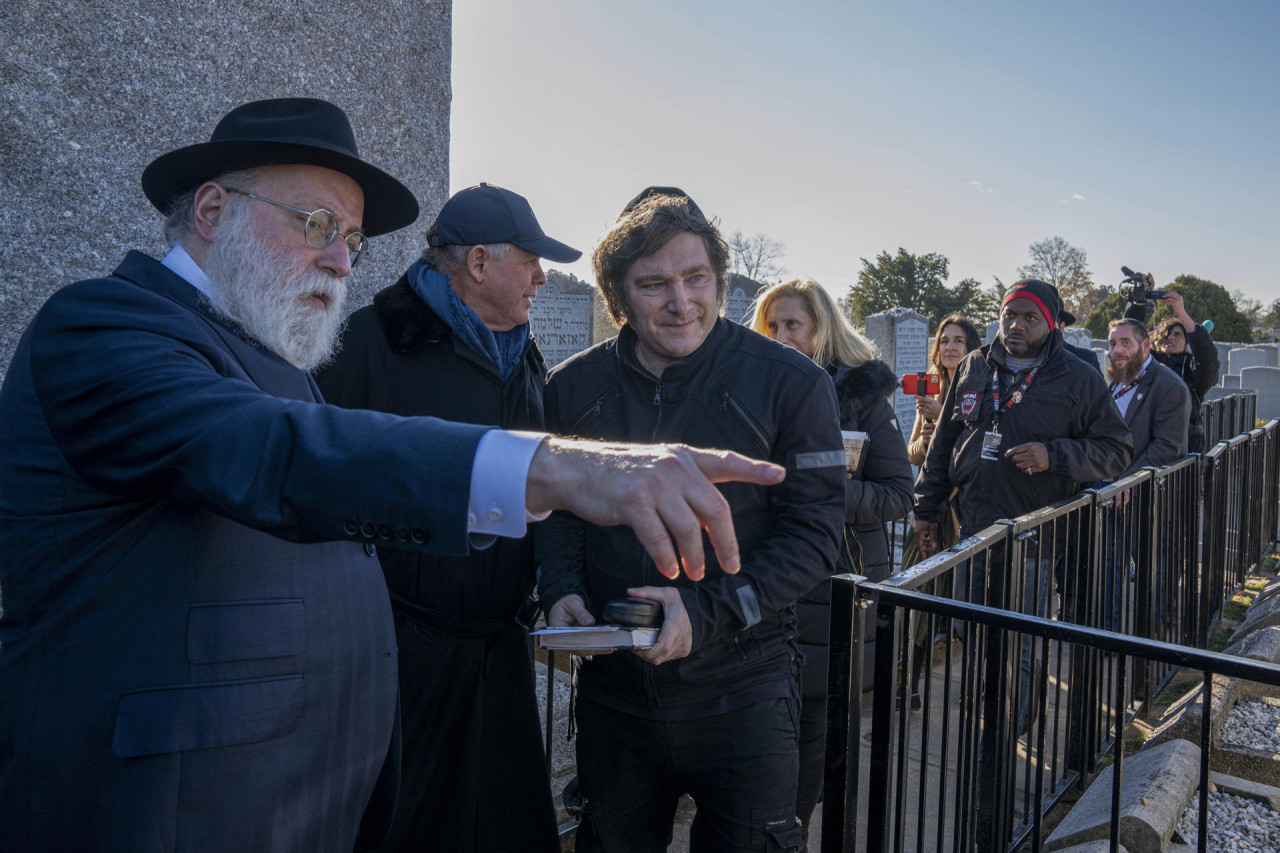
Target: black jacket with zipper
[397,356]
[878,491]
[739,391]
[1067,408]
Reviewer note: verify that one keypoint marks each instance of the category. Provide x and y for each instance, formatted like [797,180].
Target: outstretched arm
[663,492]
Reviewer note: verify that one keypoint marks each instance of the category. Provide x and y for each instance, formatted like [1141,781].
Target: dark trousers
[474,776]
[813,741]
[740,768]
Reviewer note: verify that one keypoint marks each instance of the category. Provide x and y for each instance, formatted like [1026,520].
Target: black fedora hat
[282,131]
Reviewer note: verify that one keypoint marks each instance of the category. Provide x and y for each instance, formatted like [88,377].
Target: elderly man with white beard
[196,645]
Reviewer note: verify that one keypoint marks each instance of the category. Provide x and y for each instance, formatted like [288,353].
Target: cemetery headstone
[903,339]
[1229,380]
[1242,357]
[561,317]
[993,329]
[1224,352]
[1266,381]
[1077,337]
[1273,349]
[737,303]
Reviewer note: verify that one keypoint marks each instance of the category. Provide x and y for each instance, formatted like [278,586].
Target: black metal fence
[1004,639]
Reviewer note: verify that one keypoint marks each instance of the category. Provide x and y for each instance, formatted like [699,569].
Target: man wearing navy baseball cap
[451,339]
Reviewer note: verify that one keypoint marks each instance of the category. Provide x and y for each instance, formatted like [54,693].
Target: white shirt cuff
[499,474]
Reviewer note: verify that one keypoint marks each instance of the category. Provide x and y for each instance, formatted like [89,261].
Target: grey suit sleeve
[1169,417]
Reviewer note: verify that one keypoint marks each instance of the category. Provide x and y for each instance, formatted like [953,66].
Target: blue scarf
[503,349]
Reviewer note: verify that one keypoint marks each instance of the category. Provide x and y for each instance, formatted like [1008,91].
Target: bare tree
[1066,267]
[756,257]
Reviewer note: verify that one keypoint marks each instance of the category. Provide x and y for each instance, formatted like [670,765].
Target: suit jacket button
[384,531]
[402,534]
[370,550]
[368,530]
[418,535]
[352,526]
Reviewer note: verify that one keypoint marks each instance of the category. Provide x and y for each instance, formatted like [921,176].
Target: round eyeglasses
[320,228]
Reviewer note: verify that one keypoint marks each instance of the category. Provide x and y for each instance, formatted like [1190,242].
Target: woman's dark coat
[879,491]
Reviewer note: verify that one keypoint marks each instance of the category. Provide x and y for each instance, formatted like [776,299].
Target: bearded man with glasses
[196,645]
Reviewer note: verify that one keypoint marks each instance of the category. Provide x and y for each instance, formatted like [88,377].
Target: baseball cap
[491,214]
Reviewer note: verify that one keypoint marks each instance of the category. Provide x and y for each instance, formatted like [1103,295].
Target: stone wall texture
[92,91]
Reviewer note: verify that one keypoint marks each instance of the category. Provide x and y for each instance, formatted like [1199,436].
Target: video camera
[1139,291]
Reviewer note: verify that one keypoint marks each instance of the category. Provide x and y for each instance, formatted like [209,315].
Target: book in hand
[597,637]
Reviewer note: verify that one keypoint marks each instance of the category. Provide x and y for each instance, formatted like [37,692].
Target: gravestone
[1229,380]
[1217,392]
[1242,357]
[1266,381]
[741,296]
[1224,352]
[1077,337]
[1103,355]
[95,90]
[1273,349]
[903,339]
[1095,343]
[562,317]
[737,304]
[993,329]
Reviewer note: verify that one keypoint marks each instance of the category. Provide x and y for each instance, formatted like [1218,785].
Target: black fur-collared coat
[473,775]
[879,491]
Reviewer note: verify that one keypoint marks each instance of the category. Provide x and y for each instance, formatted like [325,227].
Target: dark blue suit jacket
[196,650]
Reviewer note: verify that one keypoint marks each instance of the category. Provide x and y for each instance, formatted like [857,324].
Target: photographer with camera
[1178,343]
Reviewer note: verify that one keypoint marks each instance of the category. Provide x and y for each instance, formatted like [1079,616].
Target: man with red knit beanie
[1056,427]
[1024,425]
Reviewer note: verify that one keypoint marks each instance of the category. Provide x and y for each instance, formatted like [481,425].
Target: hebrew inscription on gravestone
[561,322]
[736,305]
[903,339]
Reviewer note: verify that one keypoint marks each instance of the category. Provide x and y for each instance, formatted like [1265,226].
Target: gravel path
[1235,823]
[1255,725]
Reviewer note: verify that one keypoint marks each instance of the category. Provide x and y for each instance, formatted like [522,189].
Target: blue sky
[1147,134]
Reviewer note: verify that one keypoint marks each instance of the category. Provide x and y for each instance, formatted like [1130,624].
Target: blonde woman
[803,316]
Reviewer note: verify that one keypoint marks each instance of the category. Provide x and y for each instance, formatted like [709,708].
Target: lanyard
[1117,393]
[1014,399]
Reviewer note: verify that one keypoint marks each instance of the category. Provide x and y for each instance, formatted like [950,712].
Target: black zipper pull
[599,405]
[724,399]
[657,395]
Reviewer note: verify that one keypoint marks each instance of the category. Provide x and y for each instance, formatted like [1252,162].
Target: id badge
[991,446]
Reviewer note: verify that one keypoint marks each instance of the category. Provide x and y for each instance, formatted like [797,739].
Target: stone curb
[1158,784]
[1246,788]
[1264,612]
[1095,847]
[1182,720]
